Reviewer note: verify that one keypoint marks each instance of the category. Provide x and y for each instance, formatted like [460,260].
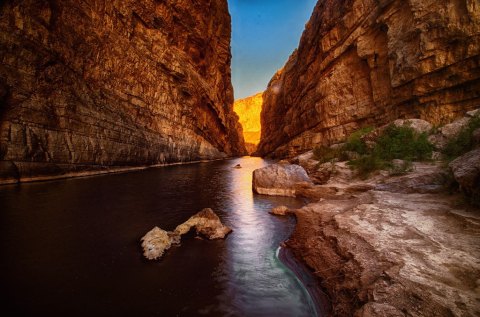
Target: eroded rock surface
[88,85]
[279,179]
[407,250]
[365,62]
[205,222]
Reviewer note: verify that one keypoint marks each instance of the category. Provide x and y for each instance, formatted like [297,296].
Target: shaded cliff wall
[248,110]
[366,62]
[87,84]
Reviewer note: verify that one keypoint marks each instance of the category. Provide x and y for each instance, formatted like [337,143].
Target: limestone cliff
[366,62]
[248,109]
[91,84]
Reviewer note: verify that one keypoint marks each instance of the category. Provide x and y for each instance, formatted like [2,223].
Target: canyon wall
[367,62]
[89,85]
[248,110]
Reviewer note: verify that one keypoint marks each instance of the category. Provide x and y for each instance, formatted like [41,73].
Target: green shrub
[325,154]
[355,143]
[463,142]
[403,143]
[400,169]
[367,164]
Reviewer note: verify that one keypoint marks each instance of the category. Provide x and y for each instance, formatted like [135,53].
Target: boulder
[473,113]
[466,170]
[205,222]
[156,242]
[451,130]
[279,179]
[418,125]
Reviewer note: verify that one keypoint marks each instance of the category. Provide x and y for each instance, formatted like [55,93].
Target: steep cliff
[90,84]
[366,62]
[248,109]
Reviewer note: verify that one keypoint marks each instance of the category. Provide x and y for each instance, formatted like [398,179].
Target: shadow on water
[72,246]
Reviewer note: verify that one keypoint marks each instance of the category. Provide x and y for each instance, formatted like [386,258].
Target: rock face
[403,251]
[206,223]
[279,179]
[248,109]
[365,62]
[93,84]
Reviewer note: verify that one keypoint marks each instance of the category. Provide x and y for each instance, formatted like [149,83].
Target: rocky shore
[392,250]
[393,243]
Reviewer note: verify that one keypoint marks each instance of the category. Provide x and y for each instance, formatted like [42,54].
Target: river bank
[27,172]
[391,245]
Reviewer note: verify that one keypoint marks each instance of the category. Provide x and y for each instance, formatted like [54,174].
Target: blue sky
[264,34]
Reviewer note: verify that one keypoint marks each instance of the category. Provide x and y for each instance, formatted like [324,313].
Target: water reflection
[72,246]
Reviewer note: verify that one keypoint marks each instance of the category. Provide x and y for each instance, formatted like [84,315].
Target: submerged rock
[279,179]
[205,222]
[280,211]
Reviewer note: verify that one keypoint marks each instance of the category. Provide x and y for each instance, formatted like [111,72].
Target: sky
[264,34]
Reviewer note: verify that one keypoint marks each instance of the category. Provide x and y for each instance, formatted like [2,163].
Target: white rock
[279,179]
[419,125]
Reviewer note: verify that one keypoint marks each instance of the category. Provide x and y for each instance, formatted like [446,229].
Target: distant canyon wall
[366,62]
[92,84]
[248,109]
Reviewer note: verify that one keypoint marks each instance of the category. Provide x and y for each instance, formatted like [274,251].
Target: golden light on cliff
[248,109]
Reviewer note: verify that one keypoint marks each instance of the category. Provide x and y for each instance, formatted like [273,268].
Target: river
[72,247]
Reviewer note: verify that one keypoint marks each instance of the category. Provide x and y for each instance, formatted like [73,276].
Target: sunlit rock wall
[88,84]
[248,109]
[366,62]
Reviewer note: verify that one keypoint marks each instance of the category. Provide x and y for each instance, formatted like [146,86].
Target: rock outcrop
[279,179]
[391,246]
[91,85]
[248,109]
[365,62]
[466,170]
[206,223]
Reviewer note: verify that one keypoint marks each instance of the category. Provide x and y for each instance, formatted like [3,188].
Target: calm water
[71,247]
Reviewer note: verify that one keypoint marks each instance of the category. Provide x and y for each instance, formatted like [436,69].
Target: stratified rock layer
[248,109]
[366,62]
[88,84]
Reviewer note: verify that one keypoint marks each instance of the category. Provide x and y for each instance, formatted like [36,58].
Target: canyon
[248,110]
[96,86]
[91,87]
[365,63]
